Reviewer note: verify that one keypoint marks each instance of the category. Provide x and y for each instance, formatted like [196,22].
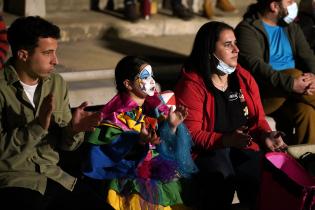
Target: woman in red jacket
[226,118]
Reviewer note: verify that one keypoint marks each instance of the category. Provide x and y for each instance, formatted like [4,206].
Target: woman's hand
[238,138]
[274,142]
[177,117]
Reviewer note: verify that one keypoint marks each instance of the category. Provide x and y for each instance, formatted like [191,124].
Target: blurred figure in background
[4,46]
[306,19]
[223,5]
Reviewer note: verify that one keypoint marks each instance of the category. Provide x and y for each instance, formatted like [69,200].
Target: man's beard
[282,13]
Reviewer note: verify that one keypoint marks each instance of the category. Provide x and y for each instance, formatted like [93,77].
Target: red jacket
[4,45]
[191,92]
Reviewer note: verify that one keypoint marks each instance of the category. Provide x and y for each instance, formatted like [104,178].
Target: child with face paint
[141,148]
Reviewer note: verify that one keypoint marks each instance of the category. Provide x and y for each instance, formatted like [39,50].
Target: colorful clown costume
[143,176]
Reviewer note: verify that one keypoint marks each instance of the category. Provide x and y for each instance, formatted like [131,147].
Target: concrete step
[78,22]
[96,92]
[67,5]
[97,25]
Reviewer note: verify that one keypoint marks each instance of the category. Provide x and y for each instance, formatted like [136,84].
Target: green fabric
[252,40]
[103,135]
[168,193]
[28,153]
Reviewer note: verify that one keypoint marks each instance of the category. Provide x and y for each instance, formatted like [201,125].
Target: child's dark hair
[24,33]
[128,68]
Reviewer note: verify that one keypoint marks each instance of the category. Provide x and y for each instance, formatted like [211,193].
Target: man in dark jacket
[275,50]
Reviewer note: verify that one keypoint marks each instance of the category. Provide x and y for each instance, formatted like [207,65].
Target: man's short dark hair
[261,6]
[24,33]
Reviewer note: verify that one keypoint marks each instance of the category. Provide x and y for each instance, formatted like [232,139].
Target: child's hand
[177,117]
[148,135]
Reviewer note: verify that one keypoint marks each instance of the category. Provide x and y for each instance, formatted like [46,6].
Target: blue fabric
[281,57]
[176,147]
[107,161]
[98,162]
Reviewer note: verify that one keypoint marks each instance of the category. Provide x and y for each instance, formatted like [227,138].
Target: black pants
[55,197]
[224,171]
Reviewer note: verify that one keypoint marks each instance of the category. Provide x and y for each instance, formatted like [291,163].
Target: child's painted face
[146,81]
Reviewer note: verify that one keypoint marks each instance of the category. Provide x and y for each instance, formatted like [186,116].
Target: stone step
[96,92]
[67,5]
[98,86]
[98,25]
[78,22]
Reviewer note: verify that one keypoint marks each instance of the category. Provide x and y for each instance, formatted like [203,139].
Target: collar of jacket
[11,74]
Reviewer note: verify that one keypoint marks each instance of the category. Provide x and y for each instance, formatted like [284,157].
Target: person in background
[36,122]
[133,11]
[4,45]
[306,20]
[274,49]
[225,118]
[178,9]
[223,5]
[141,148]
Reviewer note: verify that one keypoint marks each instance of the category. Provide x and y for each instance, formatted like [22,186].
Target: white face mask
[292,13]
[147,83]
[226,69]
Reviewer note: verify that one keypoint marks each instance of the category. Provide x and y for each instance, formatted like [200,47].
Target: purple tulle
[158,169]
[163,170]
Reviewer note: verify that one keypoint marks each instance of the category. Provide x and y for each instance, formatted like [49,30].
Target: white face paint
[146,81]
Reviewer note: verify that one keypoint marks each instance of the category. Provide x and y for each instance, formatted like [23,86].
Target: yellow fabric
[135,202]
[110,125]
[134,124]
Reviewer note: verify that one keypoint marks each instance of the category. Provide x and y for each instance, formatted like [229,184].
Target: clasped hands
[304,84]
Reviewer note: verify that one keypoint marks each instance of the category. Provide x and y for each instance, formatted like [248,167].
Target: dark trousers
[55,197]
[224,171]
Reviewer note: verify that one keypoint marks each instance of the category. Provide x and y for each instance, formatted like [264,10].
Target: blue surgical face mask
[292,13]
[223,67]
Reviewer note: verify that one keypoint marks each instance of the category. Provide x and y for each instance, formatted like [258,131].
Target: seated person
[224,5]
[141,147]
[225,118]
[133,12]
[274,49]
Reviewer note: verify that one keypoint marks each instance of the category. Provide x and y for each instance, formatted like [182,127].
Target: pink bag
[285,184]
